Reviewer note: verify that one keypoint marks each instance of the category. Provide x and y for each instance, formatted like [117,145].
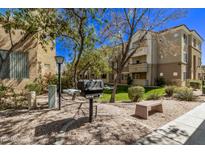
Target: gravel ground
[115,123]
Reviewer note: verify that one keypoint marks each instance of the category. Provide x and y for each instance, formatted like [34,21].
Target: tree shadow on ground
[57,126]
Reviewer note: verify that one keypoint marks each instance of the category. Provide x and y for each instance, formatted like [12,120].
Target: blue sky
[195,19]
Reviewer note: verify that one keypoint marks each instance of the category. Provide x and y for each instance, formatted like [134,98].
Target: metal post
[59,86]
[90,109]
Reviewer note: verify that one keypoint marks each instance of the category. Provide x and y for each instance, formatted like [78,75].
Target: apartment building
[173,54]
[26,62]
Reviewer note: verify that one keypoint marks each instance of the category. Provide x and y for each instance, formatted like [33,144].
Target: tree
[79,31]
[123,24]
[33,24]
[94,62]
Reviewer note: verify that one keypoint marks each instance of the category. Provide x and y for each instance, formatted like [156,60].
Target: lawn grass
[122,93]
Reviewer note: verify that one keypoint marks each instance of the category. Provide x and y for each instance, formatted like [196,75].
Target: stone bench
[142,109]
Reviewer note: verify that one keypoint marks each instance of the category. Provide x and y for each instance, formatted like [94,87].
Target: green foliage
[153,96]
[2,87]
[160,81]
[203,89]
[135,93]
[203,82]
[49,79]
[66,82]
[151,90]
[34,23]
[169,90]
[195,84]
[95,62]
[2,90]
[184,93]
[38,88]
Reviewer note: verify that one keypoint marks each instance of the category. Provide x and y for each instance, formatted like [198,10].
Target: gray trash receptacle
[52,96]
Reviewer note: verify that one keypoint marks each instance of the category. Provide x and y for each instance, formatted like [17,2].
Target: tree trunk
[116,77]
[75,76]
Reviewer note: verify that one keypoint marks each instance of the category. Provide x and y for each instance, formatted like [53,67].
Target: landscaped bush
[169,90]
[135,93]
[49,79]
[160,81]
[173,82]
[203,89]
[195,84]
[38,88]
[184,93]
[66,82]
[203,82]
[154,96]
[2,90]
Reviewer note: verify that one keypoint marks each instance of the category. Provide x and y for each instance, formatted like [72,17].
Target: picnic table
[72,92]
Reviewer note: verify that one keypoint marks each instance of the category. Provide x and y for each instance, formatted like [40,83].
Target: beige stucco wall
[35,55]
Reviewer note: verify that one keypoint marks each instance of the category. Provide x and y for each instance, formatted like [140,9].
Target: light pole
[59,61]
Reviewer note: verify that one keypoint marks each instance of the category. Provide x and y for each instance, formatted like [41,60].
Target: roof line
[190,30]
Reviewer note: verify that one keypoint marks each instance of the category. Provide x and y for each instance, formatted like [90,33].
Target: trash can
[52,96]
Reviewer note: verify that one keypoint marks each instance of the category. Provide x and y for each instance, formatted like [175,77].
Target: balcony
[141,51]
[125,69]
[140,82]
[138,67]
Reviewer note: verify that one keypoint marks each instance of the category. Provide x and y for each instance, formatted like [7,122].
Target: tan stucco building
[173,54]
[26,62]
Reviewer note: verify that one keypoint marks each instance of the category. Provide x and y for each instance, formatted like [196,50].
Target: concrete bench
[142,109]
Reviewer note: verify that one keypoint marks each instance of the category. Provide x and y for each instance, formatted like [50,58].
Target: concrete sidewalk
[187,129]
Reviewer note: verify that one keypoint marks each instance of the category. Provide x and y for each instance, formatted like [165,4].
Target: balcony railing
[140,82]
[141,51]
[138,67]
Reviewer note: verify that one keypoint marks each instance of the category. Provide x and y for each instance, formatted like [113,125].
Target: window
[185,57]
[199,61]
[199,46]
[184,75]
[194,42]
[139,75]
[15,66]
[185,38]
[18,65]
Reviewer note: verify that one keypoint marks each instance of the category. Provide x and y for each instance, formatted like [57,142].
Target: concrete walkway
[187,129]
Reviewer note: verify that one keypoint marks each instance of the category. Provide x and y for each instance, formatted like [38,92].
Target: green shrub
[38,88]
[195,84]
[135,93]
[184,93]
[160,81]
[2,88]
[153,96]
[203,89]
[66,82]
[203,82]
[169,90]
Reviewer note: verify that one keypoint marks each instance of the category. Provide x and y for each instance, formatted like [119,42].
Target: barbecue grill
[90,89]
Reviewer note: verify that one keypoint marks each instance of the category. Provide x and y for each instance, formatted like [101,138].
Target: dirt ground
[114,124]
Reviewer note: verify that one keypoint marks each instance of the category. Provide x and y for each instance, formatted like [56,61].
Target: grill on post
[91,89]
